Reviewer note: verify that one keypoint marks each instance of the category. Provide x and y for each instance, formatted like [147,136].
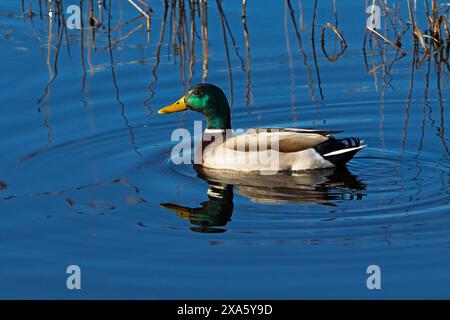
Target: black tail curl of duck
[346,147]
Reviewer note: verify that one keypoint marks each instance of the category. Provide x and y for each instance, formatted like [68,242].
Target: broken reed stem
[336,31]
[145,4]
[100,10]
[340,37]
[415,29]
[129,33]
[120,25]
[411,15]
[204,28]
[434,40]
[447,33]
[145,14]
[375,32]
[244,8]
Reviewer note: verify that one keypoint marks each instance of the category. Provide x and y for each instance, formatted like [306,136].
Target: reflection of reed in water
[188,30]
[433,43]
[184,17]
[182,24]
[325,187]
[430,47]
[302,51]
[87,199]
[57,20]
[116,87]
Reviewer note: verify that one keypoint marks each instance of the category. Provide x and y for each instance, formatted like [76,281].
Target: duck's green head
[207,99]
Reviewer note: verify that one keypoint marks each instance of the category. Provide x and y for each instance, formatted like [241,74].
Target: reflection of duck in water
[216,211]
[303,187]
[307,187]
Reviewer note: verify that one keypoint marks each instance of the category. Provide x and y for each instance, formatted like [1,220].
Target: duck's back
[278,150]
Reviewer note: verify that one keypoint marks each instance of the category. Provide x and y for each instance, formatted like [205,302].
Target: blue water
[86,176]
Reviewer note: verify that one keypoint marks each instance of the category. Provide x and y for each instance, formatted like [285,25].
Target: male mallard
[293,149]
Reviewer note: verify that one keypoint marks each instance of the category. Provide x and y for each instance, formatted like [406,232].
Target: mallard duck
[273,149]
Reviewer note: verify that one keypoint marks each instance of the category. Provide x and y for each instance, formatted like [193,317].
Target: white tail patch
[343,151]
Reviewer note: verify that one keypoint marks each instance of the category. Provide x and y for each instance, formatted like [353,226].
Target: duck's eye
[196,92]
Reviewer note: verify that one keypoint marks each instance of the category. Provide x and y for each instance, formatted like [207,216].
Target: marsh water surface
[86,176]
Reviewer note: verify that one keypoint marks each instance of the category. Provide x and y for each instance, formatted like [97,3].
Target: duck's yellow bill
[178,106]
